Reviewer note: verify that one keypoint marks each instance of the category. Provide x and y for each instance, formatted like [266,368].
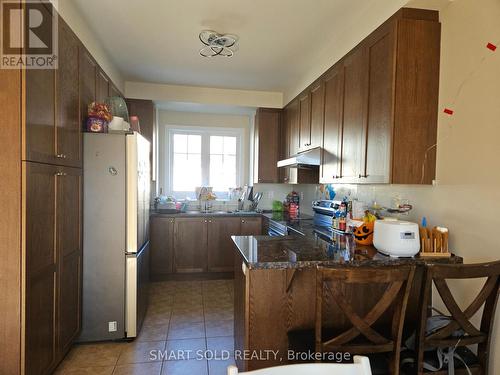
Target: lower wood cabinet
[220,245]
[190,245]
[196,244]
[251,226]
[162,246]
[53,263]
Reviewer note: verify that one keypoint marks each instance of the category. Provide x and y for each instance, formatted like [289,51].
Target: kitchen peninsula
[275,288]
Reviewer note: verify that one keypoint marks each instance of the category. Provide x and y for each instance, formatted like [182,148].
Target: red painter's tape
[491,46]
[448,111]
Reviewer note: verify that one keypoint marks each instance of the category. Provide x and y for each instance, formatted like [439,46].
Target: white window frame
[205,133]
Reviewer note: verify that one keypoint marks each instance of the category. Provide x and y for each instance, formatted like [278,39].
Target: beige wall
[203,95]
[192,119]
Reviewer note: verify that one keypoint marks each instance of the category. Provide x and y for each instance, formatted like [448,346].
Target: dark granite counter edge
[202,214]
[381,260]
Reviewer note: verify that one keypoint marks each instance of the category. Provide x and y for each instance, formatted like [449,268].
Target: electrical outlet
[112,326]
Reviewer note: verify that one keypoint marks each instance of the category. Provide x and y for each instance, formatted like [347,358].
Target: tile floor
[183,318]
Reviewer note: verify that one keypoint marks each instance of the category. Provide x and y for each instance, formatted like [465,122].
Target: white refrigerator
[115,235]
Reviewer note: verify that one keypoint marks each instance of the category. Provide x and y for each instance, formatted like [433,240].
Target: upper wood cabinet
[353,144]
[317,114]
[332,136]
[102,90]
[380,50]
[266,142]
[305,121]
[87,82]
[69,132]
[379,105]
[40,108]
[113,90]
[146,111]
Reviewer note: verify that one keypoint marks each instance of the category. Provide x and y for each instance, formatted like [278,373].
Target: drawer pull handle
[61,174]
[61,156]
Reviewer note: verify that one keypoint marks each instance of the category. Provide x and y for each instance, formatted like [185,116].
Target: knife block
[434,243]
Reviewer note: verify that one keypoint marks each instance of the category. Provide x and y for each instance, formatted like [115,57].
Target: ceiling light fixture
[218,44]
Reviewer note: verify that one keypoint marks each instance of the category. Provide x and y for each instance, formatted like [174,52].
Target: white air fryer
[396,238]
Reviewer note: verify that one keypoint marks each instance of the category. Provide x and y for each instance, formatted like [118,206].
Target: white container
[116,123]
[396,238]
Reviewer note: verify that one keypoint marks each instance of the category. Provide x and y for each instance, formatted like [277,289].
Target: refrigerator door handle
[131,295]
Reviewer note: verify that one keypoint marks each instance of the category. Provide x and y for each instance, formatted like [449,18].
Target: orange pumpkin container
[363,234]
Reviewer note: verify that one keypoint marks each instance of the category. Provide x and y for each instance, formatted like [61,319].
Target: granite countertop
[264,252]
[206,214]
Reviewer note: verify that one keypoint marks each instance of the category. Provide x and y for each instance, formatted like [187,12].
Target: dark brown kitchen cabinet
[40,108]
[68,124]
[40,115]
[251,226]
[162,246]
[53,263]
[379,116]
[266,149]
[43,150]
[332,135]
[380,49]
[102,88]
[113,90]
[87,82]
[190,245]
[41,268]
[354,116]
[69,253]
[220,245]
[305,121]
[52,110]
[317,114]
[289,145]
[145,110]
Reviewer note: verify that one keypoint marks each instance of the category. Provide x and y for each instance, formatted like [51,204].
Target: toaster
[396,238]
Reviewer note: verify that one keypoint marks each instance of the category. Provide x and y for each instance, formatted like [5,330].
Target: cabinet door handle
[243,221]
[59,174]
[206,221]
[209,221]
[61,156]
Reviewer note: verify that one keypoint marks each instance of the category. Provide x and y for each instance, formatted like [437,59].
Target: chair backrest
[361,366]
[460,319]
[395,281]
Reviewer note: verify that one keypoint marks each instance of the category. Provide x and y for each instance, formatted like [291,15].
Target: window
[203,157]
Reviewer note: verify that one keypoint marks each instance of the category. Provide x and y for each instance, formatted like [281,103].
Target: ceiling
[157,40]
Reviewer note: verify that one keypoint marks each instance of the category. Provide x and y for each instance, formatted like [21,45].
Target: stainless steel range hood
[306,159]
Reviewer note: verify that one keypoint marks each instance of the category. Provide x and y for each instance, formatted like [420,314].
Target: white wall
[190,119]
[70,13]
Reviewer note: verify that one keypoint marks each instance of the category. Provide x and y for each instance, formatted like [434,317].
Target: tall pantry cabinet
[41,200]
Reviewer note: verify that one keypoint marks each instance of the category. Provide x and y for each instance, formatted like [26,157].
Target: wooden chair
[460,319]
[361,366]
[362,336]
